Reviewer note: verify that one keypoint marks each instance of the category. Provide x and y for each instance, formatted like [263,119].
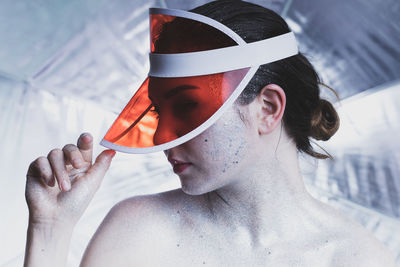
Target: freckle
[223,170]
[178,212]
[177,245]
[205,140]
[201,236]
[204,262]
[269,252]
[326,241]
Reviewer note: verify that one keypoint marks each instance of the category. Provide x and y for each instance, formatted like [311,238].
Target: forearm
[47,245]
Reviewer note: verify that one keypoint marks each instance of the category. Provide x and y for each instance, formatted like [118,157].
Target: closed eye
[183,109]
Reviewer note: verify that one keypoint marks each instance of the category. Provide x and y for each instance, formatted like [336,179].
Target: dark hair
[306,114]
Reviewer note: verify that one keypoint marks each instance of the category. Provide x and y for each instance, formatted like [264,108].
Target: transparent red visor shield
[165,109]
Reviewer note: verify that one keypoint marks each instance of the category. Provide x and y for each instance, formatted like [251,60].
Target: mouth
[179,166]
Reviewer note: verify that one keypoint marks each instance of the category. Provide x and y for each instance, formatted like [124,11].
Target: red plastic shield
[164,109]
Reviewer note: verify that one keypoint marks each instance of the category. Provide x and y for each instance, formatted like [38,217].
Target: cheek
[224,145]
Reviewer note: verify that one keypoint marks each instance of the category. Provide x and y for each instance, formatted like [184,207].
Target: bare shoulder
[354,245]
[128,232]
[362,249]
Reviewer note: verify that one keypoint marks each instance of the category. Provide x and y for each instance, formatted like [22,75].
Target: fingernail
[66,185]
[112,153]
[85,136]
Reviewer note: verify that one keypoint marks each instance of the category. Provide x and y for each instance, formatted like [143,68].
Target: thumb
[96,173]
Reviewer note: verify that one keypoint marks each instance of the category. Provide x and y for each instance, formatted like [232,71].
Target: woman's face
[182,105]
[215,157]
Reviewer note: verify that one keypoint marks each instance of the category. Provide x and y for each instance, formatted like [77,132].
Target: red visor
[179,100]
[164,109]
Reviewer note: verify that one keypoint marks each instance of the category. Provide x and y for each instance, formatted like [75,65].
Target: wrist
[47,243]
[50,230]
[43,224]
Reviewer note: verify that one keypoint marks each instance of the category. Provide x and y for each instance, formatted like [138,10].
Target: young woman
[242,201]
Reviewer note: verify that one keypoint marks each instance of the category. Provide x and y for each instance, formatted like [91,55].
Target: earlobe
[271,106]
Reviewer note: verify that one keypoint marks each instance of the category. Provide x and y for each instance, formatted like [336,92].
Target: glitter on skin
[256,206]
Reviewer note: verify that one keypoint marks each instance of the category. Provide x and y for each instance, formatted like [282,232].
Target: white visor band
[223,59]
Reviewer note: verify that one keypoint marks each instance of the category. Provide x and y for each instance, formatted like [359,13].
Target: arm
[47,245]
[55,210]
[131,234]
[113,242]
[103,249]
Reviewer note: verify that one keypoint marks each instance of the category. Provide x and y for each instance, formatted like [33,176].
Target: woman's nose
[165,132]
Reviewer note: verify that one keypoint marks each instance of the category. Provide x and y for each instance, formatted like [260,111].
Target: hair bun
[325,121]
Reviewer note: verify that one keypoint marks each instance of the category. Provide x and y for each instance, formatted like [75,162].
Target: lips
[178,166]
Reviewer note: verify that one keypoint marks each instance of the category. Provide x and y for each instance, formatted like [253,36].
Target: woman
[242,201]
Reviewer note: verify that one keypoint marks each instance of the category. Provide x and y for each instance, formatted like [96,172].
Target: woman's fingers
[56,159]
[96,173]
[73,156]
[85,145]
[70,168]
[40,169]
[54,167]
[102,162]
[46,172]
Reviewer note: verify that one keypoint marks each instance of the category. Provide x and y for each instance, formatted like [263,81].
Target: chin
[195,189]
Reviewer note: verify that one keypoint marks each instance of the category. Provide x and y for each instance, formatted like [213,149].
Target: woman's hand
[60,186]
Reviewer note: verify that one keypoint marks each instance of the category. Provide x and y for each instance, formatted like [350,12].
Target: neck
[265,199]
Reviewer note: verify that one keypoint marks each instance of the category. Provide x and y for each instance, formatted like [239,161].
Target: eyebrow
[178,89]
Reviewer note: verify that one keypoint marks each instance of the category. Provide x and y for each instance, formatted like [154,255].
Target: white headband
[220,60]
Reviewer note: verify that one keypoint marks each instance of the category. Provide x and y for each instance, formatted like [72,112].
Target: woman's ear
[270,106]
